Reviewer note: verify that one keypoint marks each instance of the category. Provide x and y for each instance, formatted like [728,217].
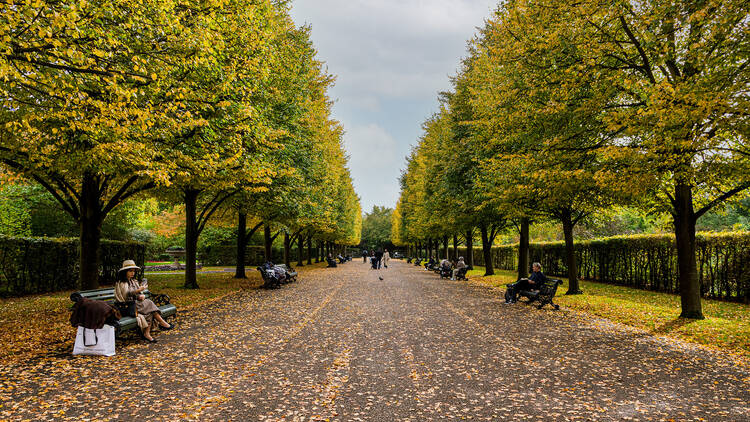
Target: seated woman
[128,289]
[536,279]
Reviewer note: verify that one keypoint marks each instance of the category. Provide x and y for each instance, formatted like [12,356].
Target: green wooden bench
[128,323]
[291,274]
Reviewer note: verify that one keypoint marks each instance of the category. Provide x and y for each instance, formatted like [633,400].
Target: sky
[390,59]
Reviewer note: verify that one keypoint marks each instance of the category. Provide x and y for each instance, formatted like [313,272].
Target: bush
[41,265]
[645,261]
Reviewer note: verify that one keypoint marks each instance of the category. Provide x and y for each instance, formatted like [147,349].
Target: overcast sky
[390,58]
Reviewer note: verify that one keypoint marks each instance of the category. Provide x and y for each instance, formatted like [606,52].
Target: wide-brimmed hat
[128,264]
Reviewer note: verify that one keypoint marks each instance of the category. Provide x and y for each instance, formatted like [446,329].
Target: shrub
[645,261]
[41,265]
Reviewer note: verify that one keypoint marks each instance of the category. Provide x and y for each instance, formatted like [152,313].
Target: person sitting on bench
[127,288]
[331,261]
[460,264]
[536,279]
[429,264]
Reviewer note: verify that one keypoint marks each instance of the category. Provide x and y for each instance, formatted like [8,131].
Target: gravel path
[343,345]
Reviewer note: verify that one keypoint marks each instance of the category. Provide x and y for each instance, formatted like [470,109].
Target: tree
[376,227]
[85,98]
[668,83]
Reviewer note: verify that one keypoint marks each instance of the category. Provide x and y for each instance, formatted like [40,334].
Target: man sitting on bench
[536,279]
[331,261]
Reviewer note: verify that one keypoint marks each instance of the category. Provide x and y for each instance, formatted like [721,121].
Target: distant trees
[566,108]
[376,227]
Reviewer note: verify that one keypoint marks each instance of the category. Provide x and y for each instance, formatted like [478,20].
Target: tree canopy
[562,109]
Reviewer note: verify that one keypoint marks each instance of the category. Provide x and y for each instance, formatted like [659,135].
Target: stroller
[445,271]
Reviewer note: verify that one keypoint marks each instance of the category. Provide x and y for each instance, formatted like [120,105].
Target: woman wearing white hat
[128,289]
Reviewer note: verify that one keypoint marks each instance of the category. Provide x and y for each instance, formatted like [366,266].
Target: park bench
[127,322]
[271,281]
[544,295]
[291,275]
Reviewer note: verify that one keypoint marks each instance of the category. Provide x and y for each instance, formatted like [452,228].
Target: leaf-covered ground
[341,344]
[38,325]
[726,326]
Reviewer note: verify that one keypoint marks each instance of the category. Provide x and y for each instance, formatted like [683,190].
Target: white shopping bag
[95,342]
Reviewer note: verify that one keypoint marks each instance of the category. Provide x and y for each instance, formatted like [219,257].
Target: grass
[32,326]
[726,327]
[155,263]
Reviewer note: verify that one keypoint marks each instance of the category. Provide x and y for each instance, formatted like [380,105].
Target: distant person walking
[379,258]
[364,255]
[386,258]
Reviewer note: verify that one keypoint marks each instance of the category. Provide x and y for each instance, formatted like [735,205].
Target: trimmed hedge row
[254,256]
[227,255]
[645,262]
[42,265]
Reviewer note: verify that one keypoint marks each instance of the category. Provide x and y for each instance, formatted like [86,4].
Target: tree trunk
[286,250]
[445,247]
[191,238]
[523,249]
[570,254]
[487,251]
[470,249]
[309,250]
[300,249]
[90,224]
[455,247]
[267,242]
[239,271]
[684,224]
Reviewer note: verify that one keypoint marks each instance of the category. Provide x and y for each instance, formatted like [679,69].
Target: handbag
[99,342]
[127,308]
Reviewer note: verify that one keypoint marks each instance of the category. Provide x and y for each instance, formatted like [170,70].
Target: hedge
[645,262]
[227,255]
[42,265]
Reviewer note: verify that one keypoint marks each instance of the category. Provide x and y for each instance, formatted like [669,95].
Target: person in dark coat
[379,257]
[536,279]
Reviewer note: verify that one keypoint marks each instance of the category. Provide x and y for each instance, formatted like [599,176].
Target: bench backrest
[106,294]
[549,287]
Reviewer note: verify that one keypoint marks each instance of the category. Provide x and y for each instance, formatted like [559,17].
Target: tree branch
[722,198]
[646,63]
